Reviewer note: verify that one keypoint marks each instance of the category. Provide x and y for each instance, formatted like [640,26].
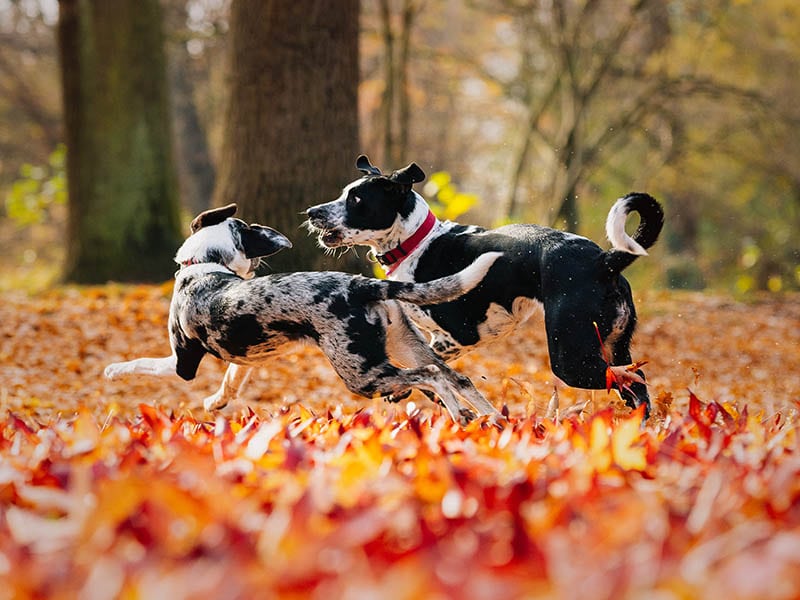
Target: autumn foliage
[129,489]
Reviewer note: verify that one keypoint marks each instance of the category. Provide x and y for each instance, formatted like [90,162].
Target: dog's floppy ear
[363,165]
[258,241]
[213,216]
[408,175]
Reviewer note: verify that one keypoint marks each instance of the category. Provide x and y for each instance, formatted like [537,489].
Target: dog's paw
[215,402]
[395,398]
[114,371]
[498,421]
[466,416]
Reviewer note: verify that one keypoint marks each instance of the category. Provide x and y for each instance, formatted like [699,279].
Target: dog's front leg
[232,382]
[142,366]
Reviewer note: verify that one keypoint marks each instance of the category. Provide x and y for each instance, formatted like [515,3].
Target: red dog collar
[397,255]
[191,261]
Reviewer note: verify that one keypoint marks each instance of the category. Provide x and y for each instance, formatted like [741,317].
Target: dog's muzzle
[329,237]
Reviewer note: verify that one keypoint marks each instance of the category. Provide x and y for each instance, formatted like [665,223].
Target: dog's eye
[353,200]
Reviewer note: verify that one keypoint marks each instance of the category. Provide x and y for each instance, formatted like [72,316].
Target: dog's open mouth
[327,238]
[330,238]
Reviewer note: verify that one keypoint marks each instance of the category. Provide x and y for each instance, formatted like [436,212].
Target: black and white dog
[218,307]
[576,282]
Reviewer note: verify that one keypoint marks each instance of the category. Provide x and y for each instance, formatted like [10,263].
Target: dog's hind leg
[466,389]
[143,366]
[387,379]
[232,382]
[405,343]
[427,378]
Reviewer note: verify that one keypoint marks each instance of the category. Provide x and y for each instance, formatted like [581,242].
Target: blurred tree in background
[545,111]
[291,125]
[123,206]
[550,111]
[196,170]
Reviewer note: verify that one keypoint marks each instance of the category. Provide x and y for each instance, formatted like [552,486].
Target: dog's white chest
[497,323]
[500,322]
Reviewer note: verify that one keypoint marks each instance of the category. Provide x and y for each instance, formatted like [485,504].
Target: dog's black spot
[324,290]
[367,340]
[365,290]
[202,333]
[339,307]
[219,310]
[395,287]
[294,330]
[217,255]
[240,332]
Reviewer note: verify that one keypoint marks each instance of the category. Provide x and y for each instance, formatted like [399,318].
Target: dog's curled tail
[625,249]
[446,288]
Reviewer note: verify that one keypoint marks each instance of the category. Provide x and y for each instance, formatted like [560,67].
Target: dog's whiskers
[350,248]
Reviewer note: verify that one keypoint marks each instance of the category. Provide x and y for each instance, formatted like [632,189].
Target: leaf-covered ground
[129,489]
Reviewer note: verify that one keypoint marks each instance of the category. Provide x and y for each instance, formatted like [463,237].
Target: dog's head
[368,208]
[219,238]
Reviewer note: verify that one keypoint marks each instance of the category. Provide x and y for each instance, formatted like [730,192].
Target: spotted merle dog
[578,284]
[218,307]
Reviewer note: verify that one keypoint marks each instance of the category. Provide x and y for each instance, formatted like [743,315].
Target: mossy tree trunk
[123,206]
[291,133]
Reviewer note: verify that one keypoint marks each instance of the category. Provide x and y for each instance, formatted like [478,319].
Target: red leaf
[611,379]
[154,418]
[699,414]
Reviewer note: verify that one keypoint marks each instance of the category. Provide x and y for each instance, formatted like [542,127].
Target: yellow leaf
[458,205]
[446,194]
[628,454]
[305,413]
[436,182]
[599,455]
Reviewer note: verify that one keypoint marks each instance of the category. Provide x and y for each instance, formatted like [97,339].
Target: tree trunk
[291,134]
[195,170]
[123,207]
[388,97]
[410,10]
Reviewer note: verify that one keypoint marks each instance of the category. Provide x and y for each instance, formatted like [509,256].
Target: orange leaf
[628,452]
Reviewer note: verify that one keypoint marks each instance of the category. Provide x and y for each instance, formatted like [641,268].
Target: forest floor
[130,489]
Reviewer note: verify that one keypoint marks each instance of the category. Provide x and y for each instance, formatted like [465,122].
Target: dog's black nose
[314,213]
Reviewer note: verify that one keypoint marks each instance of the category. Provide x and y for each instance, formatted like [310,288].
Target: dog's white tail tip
[615,229]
